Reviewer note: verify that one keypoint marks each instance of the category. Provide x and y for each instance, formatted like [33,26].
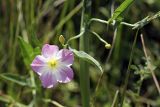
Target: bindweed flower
[53,65]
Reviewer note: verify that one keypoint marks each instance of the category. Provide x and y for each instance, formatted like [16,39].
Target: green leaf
[27,51]
[121,9]
[4,99]
[37,51]
[15,78]
[84,56]
[33,38]
[134,67]
[11,101]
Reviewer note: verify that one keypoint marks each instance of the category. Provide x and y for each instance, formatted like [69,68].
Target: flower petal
[49,50]
[48,79]
[67,56]
[38,64]
[64,74]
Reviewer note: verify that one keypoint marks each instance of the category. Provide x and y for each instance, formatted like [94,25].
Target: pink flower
[53,65]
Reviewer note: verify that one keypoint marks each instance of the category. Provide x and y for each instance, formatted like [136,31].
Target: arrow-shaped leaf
[86,57]
[121,9]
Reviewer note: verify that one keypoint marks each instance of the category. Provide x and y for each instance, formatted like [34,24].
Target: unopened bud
[61,39]
[108,46]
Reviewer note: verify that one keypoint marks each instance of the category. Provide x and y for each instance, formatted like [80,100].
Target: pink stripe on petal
[64,74]
[38,64]
[49,50]
[67,56]
[48,79]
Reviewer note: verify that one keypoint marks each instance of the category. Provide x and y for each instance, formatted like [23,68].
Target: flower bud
[108,46]
[61,39]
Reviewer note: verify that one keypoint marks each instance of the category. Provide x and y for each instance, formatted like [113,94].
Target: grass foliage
[128,63]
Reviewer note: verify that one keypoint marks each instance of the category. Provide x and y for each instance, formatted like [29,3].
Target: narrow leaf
[121,9]
[14,78]
[37,51]
[4,99]
[86,57]
[34,40]
[11,101]
[27,50]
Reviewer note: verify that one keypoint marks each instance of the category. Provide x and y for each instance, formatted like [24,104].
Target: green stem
[81,34]
[128,70]
[98,20]
[75,37]
[53,102]
[84,45]
[140,84]
[138,25]
[32,79]
[115,99]
[102,40]
[62,22]
[127,24]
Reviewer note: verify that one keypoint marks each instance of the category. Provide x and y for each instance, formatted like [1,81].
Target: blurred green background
[42,21]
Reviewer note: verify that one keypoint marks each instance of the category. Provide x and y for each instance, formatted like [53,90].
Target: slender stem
[115,99]
[73,12]
[98,20]
[137,25]
[113,43]
[53,102]
[75,37]
[127,24]
[102,40]
[101,76]
[33,85]
[106,22]
[140,84]
[152,72]
[128,71]
[62,22]
[84,45]
[96,90]
[92,32]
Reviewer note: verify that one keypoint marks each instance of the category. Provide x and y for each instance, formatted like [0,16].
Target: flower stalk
[84,46]
[107,45]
